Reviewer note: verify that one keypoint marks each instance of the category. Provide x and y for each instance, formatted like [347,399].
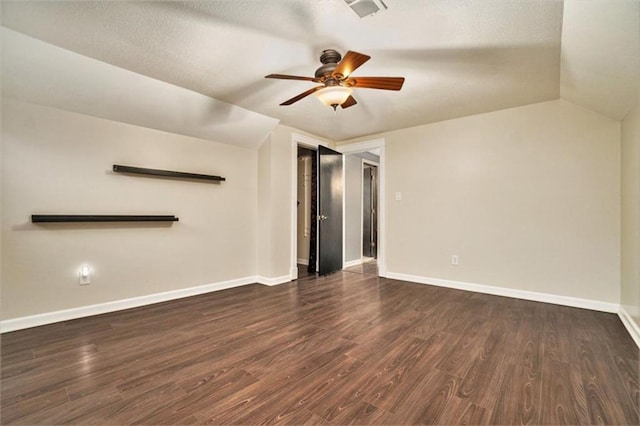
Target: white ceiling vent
[366,8]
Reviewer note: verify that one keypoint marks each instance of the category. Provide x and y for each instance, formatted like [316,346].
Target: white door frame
[377,165]
[382,233]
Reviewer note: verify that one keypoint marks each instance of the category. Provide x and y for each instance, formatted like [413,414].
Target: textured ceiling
[458,57]
[600,66]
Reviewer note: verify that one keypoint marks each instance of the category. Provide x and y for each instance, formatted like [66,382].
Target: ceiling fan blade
[349,102]
[384,83]
[301,95]
[290,77]
[349,63]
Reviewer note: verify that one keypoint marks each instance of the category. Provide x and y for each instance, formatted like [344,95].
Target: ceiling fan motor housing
[329,58]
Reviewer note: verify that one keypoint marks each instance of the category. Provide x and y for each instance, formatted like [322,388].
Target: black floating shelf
[165,173]
[58,218]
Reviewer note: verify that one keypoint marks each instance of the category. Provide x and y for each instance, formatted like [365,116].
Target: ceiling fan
[336,81]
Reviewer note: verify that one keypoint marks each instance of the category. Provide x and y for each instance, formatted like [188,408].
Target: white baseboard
[118,305]
[303,261]
[630,325]
[352,263]
[509,292]
[273,281]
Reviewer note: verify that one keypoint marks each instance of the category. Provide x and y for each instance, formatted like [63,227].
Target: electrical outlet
[454,259]
[85,275]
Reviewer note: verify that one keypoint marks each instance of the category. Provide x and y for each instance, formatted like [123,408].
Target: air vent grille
[364,8]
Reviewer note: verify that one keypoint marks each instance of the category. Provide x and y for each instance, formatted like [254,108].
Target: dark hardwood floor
[342,349]
[368,267]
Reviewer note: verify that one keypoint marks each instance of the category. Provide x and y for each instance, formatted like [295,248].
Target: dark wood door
[330,187]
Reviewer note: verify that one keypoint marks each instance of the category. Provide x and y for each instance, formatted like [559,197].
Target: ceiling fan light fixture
[333,96]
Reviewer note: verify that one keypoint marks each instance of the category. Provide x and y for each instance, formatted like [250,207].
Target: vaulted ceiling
[459,57]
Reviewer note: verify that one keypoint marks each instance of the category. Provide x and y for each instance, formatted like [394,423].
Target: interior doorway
[378,146]
[369,210]
[319,210]
[362,171]
[357,241]
[306,197]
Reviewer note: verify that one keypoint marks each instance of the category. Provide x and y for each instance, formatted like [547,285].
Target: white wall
[274,252]
[263,254]
[353,207]
[59,162]
[630,291]
[275,202]
[528,198]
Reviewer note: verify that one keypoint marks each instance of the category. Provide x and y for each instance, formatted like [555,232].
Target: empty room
[386,212]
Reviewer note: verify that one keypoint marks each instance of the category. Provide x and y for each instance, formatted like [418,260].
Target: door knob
[322,217]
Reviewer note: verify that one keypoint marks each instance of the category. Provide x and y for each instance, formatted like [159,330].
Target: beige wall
[630,245]
[274,254]
[276,181]
[528,198]
[59,162]
[263,253]
[353,207]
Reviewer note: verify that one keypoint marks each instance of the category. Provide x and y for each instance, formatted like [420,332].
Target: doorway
[357,244]
[318,215]
[369,210]
[298,139]
[361,207]
[306,197]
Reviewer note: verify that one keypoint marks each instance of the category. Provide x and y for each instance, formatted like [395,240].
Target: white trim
[353,263]
[118,305]
[300,139]
[509,292]
[294,206]
[382,213]
[630,325]
[360,232]
[344,211]
[273,281]
[363,146]
[377,166]
[303,262]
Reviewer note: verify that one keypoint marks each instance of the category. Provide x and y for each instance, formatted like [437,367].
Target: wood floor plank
[463,349]
[395,383]
[560,403]
[259,403]
[627,370]
[430,399]
[77,411]
[519,396]
[607,400]
[200,398]
[349,348]
[558,336]
[461,412]
[481,382]
[18,407]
